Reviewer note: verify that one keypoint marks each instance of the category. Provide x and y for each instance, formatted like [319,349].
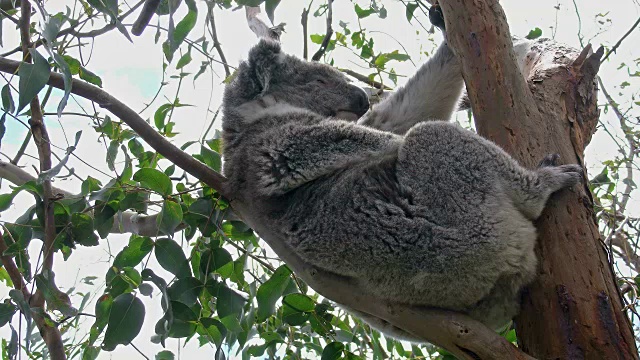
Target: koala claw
[436,17]
[549,160]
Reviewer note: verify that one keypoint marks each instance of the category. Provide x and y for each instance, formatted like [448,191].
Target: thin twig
[327,36]
[214,37]
[615,47]
[365,79]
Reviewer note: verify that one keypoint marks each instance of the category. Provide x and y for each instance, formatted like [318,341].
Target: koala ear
[263,59]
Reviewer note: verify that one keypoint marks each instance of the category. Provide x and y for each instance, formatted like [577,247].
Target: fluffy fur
[420,212]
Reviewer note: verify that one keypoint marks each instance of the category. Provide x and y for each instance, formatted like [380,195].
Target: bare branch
[260,27]
[214,36]
[365,79]
[328,35]
[617,44]
[304,21]
[149,8]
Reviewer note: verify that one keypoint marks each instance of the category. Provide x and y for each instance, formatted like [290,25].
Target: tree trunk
[573,310]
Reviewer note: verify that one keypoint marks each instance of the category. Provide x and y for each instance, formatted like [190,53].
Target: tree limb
[50,334]
[149,8]
[260,27]
[327,36]
[138,124]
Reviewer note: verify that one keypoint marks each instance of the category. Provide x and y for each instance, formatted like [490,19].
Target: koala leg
[533,188]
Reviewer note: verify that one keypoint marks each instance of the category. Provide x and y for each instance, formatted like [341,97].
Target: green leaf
[7,99]
[103,221]
[67,79]
[218,261]
[90,77]
[160,115]
[316,38]
[270,8]
[299,302]
[90,353]
[534,34]
[185,290]
[6,313]
[271,291]
[182,29]
[33,77]
[214,330]
[332,351]
[211,158]
[102,310]
[132,254]
[170,217]
[74,64]
[171,257]
[56,299]
[230,305]
[82,229]
[164,355]
[411,8]
[184,60]
[154,180]
[363,13]
[125,321]
[112,153]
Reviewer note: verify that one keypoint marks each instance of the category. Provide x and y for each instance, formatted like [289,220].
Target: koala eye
[321,81]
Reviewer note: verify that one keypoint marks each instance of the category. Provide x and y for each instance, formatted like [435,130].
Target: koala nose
[360,101]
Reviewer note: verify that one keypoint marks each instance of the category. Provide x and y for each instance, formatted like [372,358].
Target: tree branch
[139,125]
[304,21]
[149,8]
[365,79]
[327,36]
[260,27]
[50,334]
[457,333]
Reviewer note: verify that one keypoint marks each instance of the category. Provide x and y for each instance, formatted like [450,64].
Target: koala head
[270,73]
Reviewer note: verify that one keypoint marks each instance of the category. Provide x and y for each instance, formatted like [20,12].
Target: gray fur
[436,217]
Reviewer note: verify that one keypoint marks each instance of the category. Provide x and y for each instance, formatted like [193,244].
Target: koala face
[287,79]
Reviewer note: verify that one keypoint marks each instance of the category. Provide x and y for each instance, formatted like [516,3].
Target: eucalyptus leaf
[33,77]
[125,321]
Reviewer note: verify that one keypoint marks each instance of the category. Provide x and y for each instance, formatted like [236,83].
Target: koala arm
[292,155]
[431,94]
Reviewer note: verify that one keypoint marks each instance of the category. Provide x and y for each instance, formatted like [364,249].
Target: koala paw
[561,176]
[436,17]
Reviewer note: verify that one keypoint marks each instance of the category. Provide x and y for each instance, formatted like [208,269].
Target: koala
[417,210]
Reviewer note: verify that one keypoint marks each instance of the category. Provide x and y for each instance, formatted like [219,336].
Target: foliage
[208,271]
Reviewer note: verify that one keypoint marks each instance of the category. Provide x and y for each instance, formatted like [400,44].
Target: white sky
[133,72]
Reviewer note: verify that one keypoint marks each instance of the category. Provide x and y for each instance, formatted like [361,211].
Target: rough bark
[573,310]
